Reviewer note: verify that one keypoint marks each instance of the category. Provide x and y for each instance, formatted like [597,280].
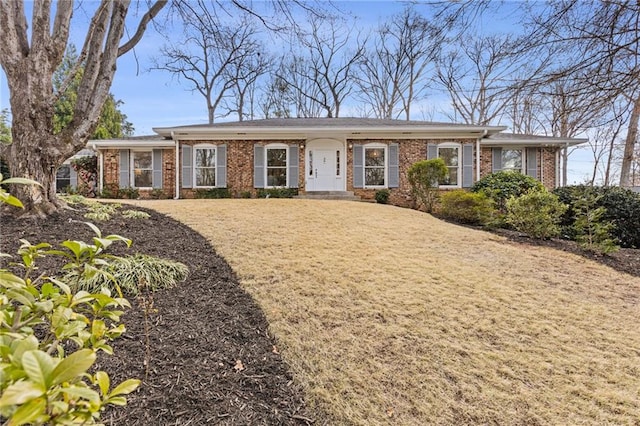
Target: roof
[310,128]
[502,139]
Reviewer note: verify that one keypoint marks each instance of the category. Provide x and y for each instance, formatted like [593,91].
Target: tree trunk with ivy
[29,64]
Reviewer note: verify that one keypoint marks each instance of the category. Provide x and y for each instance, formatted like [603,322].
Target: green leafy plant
[135,214]
[133,273]
[128,193]
[592,232]
[158,194]
[7,198]
[622,210]
[503,185]
[536,213]
[245,194]
[382,196]
[277,192]
[50,336]
[467,207]
[214,193]
[423,177]
[101,211]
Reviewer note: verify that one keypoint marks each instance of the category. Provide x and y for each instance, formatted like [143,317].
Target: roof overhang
[130,143]
[533,141]
[307,133]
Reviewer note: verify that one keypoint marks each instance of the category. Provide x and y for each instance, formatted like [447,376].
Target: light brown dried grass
[390,316]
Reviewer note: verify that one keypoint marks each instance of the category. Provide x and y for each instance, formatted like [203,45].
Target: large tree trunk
[29,63]
[629,145]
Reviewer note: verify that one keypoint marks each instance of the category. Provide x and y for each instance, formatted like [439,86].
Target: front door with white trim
[325,165]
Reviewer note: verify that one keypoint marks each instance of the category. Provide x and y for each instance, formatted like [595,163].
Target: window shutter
[496,163]
[394,172]
[432,151]
[157,168]
[358,166]
[258,166]
[221,166]
[467,165]
[187,166]
[293,166]
[532,162]
[124,169]
[73,177]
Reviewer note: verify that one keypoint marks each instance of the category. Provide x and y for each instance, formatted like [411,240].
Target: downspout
[542,165]
[177,168]
[484,134]
[557,168]
[100,168]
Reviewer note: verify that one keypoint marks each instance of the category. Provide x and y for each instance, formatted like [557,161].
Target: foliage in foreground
[621,209]
[467,207]
[503,185]
[130,274]
[423,177]
[50,336]
[536,213]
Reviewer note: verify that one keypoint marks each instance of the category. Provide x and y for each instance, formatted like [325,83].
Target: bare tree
[393,74]
[476,74]
[321,68]
[29,58]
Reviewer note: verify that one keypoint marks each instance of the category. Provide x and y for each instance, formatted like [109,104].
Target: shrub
[113,191]
[277,193]
[382,196]
[157,194]
[214,193]
[503,185]
[135,214]
[423,177]
[467,207]
[591,231]
[133,273]
[245,194]
[622,208]
[536,213]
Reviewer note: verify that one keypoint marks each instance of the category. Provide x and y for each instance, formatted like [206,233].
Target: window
[63,178]
[512,160]
[450,154]
[276,167]
[142,166]
[204,166]
[374,166]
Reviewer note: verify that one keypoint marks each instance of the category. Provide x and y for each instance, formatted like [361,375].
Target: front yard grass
[390,316]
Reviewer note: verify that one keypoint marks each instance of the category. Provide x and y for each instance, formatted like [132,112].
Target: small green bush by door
[501,186]
[277,193]
[382,196]
[536,213]
[466,207]
[423,177]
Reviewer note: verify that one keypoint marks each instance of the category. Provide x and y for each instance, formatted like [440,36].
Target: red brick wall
[111,172]
[546,165]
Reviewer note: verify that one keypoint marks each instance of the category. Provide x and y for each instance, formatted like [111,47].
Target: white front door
[325,165]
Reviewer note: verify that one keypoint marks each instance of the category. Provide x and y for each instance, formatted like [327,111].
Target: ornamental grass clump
[131,274]
[536,213]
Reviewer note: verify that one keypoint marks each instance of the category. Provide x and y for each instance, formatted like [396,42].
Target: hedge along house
[350,157]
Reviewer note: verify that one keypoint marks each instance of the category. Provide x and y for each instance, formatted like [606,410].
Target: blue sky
[153,99]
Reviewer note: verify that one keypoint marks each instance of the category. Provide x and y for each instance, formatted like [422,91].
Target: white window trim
[266,162]
[193,162]
[132,170]
[523,162]
[459,177]
[364,165]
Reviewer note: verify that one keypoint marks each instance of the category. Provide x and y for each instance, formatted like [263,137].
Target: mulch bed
[207,357]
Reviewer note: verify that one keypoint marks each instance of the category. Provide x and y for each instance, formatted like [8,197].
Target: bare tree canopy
[30,59]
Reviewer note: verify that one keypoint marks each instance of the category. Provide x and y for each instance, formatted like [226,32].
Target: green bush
[536,213]
[277,192]
[131,274]
[382,196]
[135,214]
[214,193]
[158,194]
[622,209]
[101,211]
[423,177]
[592,232]
[467,207]
[245,194]
[503,185]
[114,192]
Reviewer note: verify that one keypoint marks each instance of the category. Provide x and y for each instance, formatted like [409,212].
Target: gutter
[177,169]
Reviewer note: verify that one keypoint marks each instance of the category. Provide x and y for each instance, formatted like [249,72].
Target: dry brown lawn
[390,316]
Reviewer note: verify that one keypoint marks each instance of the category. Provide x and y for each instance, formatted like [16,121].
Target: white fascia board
[350,132]
[532,142]
[130,144]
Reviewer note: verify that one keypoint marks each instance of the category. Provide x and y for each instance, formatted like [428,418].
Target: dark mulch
[207,357]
